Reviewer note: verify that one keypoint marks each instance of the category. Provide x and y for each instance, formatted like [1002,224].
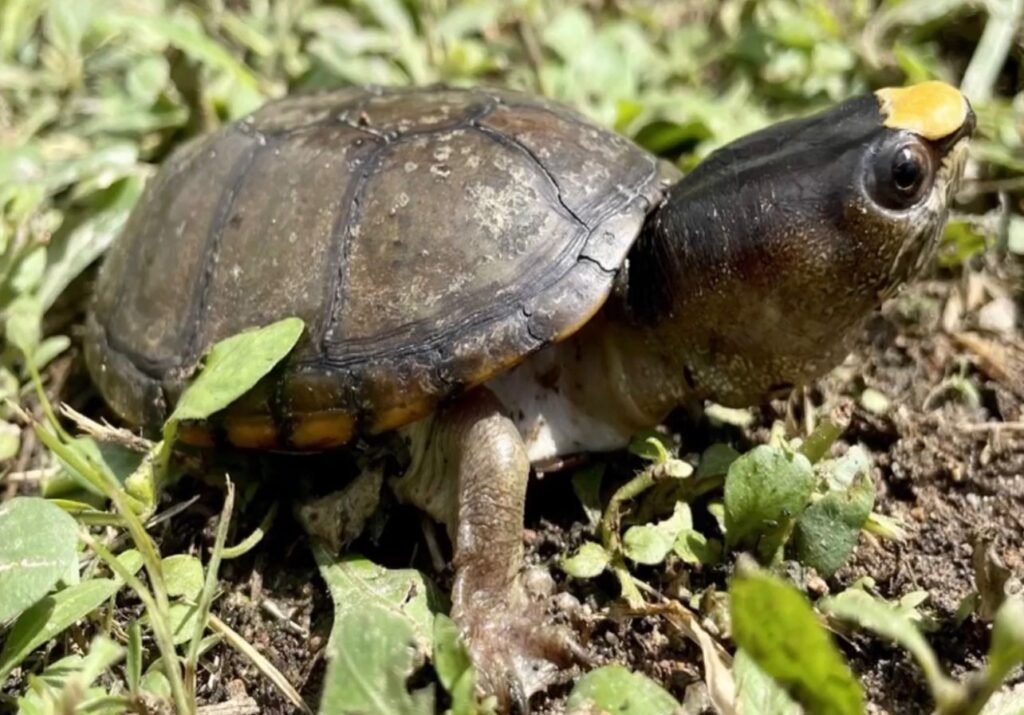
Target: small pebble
[875,402]
[566,602]
[538,582]
[998,316]
[816,586]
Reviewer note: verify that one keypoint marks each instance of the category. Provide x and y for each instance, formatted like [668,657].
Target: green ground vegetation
[94,94]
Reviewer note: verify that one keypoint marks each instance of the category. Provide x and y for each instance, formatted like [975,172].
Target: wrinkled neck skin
[736,299]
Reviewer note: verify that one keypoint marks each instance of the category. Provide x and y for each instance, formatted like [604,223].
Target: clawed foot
[516,653]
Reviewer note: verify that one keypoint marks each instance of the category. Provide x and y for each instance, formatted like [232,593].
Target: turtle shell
[429,238]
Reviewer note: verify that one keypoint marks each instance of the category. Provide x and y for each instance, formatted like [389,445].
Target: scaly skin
[470,471]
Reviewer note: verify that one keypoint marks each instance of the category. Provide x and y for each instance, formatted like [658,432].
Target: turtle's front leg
[470,471]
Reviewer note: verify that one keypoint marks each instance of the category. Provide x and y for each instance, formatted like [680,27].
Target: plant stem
[158,622]
[209,589]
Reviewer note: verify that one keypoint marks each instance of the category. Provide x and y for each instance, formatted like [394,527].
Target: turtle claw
[516,654]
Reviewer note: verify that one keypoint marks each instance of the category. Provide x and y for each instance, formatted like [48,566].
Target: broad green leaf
[765,490]
[23,323]
[86,235]
[695,548]
[73,676]
[1007,648]
[10,445]
[372,652]
[614,689]
[66,22]
[454,668]
[49,617]
[48,349]
[451,660]
[590,560]
[883,619]
[757,692]
[156,683]
[356,584]
[183,575]
[106,458]
[182,618]
[29,271]
[37,549]
[234,366]
[716,460]
[185,33]
[778,629]
[647,544]
[826,532]
[651,543]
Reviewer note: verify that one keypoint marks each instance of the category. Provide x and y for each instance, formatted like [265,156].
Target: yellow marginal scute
[932,110]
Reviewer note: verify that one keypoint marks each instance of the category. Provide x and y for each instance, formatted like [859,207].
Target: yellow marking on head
[932,110]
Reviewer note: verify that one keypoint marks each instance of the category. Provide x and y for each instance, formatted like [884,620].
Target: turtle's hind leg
[469,470]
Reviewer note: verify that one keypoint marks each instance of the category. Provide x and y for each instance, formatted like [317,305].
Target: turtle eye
[902,175]
[907,171]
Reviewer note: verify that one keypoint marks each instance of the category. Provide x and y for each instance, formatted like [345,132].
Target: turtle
[501,281]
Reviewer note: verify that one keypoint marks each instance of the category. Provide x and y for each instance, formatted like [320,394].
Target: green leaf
[372,652]
[182,618]
[50,616]
[37,549]
[614,689]
[827,531]
[883,619]
[777,627]
[10,445]
[48,349]
[66,22]
[651,543]
[73,674]
[716,460]
[454,668]
[183,575]
[647,544]
[652,445]
[590,560]
[156,683]
[356,584]
[1007,648]
[451,660]
[765,490]
[133,665]
[587,485]
[29,271]
[757,692]
[695,548]
[234,366]
[23,325]
[82,239]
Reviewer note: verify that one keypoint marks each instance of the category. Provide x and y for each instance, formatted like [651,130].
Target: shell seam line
[214,238]
[353,200]
[506,140]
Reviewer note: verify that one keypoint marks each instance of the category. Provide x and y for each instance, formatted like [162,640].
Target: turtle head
[763,262]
